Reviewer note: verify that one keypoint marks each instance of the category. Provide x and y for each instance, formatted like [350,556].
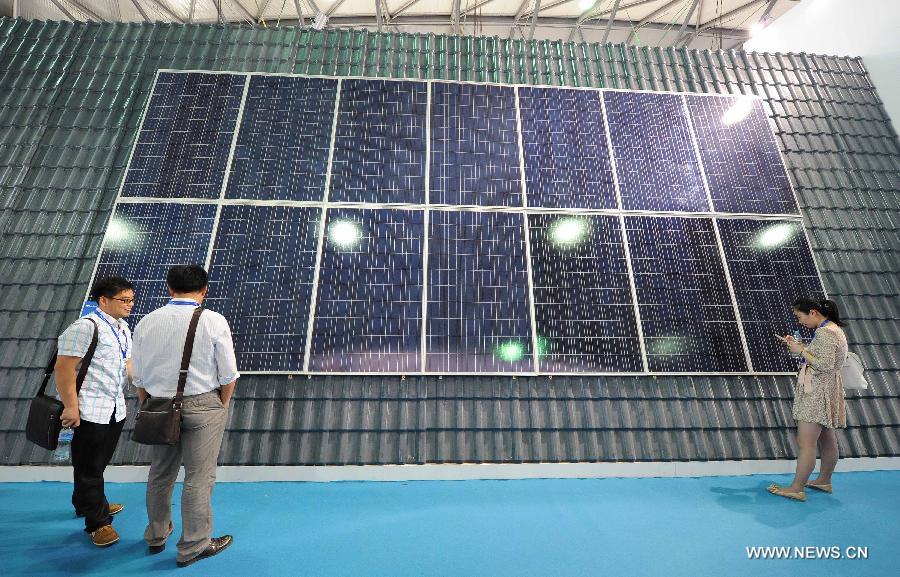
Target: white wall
[867,28]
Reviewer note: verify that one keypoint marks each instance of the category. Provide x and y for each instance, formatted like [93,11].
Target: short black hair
[187,278]
[109,286]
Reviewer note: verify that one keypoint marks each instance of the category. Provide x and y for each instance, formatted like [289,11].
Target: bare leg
[828,452]
[807,435]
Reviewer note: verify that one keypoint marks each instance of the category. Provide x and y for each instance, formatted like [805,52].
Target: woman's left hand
[793,345]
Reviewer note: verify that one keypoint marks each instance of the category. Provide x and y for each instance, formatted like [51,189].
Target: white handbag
[852,373]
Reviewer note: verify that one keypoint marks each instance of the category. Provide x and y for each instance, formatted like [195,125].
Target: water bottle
[798,336]
[63,451]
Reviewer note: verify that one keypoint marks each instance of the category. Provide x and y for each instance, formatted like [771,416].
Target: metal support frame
[712,23]
[682,32]
[165,8]
[191,11]
[377,13]
[68,14]
[403,8]
[649,18]
[534,17]
[471,9]
[78,4]
[139,9]
[260,11]
[455,18]
[299,10]
[609,22]
[338,3]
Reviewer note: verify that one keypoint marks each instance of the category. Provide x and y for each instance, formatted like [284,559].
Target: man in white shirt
[158,344]
[97,411]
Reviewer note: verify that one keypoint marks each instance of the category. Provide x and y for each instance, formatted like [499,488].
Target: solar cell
[261,277]
[379,148]
[366,286]
[686,310]
[771,266]
[474,145]
[583,304]
[143,240]
[282,146]
[183,146]
[654,152]
[478,317]
[369,305]
[740,156]
[566,154]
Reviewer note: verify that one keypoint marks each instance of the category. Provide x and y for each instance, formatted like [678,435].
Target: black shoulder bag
[158,421]
[44,421]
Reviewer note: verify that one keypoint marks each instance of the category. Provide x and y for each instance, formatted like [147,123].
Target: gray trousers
[202,427]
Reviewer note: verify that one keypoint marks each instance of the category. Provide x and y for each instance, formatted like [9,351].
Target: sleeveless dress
[819,395]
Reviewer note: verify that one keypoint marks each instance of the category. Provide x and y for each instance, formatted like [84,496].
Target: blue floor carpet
[620,527]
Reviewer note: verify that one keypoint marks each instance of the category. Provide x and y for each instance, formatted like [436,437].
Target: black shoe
[216,546]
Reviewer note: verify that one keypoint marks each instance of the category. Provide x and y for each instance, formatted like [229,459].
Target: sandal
[782,492]
[824,487]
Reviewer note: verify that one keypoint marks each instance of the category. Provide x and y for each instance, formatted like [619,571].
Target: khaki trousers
[202,428]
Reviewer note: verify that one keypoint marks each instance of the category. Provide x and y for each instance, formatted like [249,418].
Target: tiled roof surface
[70,99]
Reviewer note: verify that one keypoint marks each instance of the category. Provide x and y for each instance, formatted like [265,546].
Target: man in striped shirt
[158,344]
[97,411]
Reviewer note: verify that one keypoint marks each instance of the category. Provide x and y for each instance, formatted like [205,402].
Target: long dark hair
[829,309]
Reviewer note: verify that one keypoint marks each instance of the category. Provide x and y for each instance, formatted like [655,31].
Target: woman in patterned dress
[818,395]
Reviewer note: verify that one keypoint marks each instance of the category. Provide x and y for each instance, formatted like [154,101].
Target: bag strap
[186,355]
[82,370]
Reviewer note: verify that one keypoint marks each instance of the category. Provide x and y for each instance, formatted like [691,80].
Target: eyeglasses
[125,301]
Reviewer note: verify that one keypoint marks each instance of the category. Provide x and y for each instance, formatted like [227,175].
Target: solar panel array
[399,226]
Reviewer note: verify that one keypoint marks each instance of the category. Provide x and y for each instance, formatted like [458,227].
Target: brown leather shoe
[104,536]
[216,546]
[111,508]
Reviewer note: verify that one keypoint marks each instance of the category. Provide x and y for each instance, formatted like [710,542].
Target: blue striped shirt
[103,387]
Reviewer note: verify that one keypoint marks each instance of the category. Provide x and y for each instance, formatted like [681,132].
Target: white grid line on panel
[112,213]
[460,208]
[473,82]
[227,174]
[621,215]
[528,269]
[321,240]
[721,248]
[423,360]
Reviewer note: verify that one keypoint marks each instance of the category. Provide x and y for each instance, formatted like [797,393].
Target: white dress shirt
[102,390]
[159,342]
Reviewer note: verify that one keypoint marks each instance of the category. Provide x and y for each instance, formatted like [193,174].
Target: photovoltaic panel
[379,149]
[368,293]
[740,156]
[261,279]
[474,145]
[369,306]
[583,304]
[686,310]
[478,314]
[283,142]
[655,157]
[144,240]
[183,146]
[771,266]
[566,154]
